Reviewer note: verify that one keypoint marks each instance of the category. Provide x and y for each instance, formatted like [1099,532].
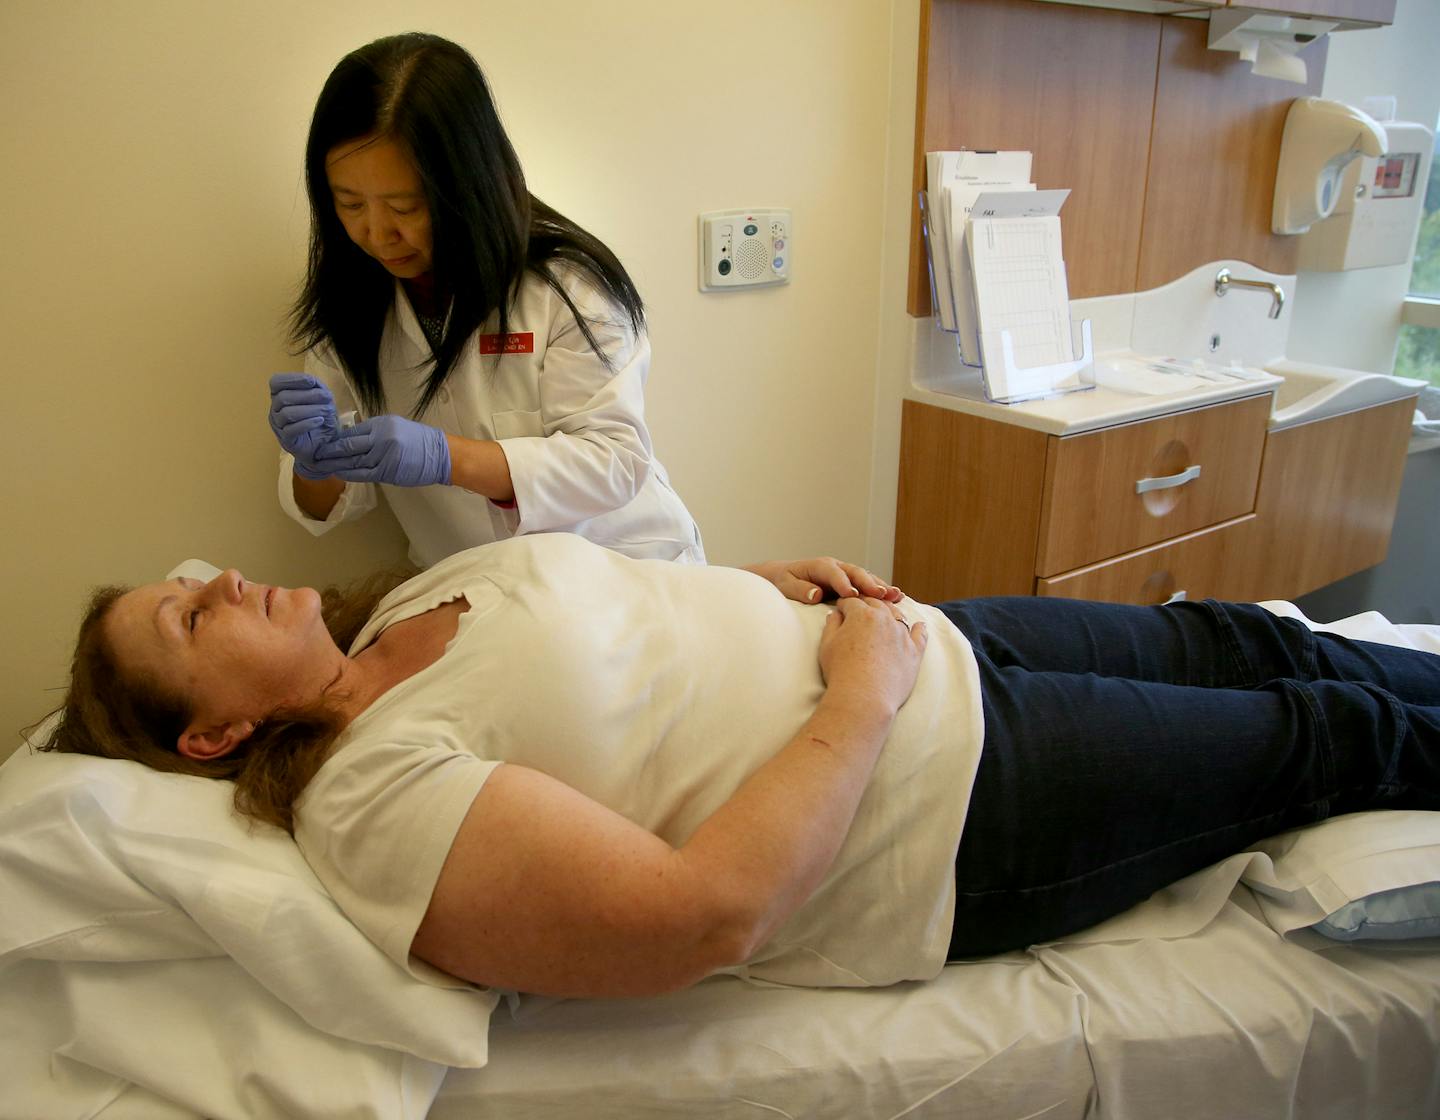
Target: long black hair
[488,230]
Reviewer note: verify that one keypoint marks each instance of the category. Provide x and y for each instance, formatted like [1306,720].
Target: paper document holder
[1011,384]
[923,199]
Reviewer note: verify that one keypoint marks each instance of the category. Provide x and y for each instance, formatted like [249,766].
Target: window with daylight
[1418,354]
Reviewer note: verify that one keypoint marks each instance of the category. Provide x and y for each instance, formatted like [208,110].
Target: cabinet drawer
[1193,567]
[1119,489]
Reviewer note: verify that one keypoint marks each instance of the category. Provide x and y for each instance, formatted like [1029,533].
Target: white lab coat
[572,431]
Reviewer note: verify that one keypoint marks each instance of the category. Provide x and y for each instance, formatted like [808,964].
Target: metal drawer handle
[1189,474]
[1178,597]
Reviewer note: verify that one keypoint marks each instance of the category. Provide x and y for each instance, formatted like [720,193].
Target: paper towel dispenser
[1270,42]
[1320,140]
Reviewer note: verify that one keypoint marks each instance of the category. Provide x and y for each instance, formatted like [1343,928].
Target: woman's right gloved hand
[302,416]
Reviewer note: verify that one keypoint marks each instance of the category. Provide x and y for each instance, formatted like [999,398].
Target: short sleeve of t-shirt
[376,824]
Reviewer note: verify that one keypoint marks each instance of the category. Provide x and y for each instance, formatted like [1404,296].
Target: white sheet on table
[1241,1022]
[729,1050]
[1130,1030]
[196,1037]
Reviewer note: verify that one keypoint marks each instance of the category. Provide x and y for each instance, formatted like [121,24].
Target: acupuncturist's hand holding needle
[808,581]
[302,416]
[388,449]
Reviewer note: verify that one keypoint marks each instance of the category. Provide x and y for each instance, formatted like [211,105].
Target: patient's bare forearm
[316,497]
[768,848]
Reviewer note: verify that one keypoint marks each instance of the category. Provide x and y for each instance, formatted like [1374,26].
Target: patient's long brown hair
[112,714]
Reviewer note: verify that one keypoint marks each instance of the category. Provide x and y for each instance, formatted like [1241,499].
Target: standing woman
[494,353]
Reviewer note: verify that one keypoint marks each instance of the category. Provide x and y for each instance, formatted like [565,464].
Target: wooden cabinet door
[968,505]
[1327,499]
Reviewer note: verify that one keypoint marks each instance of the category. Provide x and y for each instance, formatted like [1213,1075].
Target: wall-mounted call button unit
[744,248]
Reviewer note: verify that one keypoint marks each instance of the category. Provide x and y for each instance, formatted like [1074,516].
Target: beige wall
[154,226]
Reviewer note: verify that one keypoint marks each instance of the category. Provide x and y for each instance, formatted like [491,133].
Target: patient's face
[234,650]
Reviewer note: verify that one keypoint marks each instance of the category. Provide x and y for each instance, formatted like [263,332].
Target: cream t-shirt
[656,689]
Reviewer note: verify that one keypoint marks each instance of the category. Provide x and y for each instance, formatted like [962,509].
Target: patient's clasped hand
[544,766]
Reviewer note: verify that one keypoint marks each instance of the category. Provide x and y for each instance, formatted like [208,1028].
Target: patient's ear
[204,744]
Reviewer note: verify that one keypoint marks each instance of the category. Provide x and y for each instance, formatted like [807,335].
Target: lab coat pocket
[516,423]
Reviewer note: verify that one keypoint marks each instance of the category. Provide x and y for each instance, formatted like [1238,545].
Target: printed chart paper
[1020,290]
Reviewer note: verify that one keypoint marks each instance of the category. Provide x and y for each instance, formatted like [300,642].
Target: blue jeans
[1126,747]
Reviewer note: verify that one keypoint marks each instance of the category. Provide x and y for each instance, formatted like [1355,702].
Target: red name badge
[508,343]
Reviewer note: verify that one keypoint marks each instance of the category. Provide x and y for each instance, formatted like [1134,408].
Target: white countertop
[1185,321]
[1082,411]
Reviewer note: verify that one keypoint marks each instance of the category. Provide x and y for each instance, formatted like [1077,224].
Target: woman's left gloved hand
[388,449]
[302,416]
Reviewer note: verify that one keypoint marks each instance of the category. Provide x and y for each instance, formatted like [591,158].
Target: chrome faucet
[1223,280]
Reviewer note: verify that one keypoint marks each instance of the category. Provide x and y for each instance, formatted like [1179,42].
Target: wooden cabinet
[985,507]
[989,508]
[1149,7]
[1351,13]
[1167,147]
[1328,491]
[1074,86]
[1115,104]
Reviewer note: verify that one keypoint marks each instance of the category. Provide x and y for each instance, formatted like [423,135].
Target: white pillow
[107,860]
[1373,875]
[194,569]
[1396,915]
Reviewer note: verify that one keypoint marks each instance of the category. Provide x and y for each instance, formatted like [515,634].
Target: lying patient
[546,767]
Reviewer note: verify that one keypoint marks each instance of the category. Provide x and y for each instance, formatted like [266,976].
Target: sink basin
[1312,392]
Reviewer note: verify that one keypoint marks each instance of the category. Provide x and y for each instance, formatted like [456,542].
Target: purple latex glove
[302,416]
[388,449]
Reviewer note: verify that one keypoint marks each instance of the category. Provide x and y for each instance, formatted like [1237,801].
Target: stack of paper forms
[998,269]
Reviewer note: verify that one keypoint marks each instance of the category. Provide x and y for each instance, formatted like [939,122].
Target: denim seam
[1311,646]
[1397,744]
[1225,626]
[1324,750]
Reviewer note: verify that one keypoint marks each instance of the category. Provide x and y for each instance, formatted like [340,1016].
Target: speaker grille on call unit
[752,258]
